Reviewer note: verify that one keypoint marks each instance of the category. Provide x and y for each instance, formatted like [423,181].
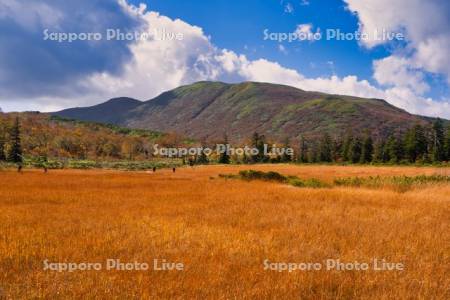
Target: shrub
[259,175]
[277,177]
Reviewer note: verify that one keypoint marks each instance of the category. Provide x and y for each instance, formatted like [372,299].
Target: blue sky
[236,24]
[224,40]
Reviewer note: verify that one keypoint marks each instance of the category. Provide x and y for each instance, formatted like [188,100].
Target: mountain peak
[208,109]
[122,100]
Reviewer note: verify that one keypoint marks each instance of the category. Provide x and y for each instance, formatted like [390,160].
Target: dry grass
[222,230]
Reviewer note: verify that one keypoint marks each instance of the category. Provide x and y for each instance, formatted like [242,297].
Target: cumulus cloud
[148,67]
[399,72]
[33,67]
[171,64]
[426,25]
[159,65]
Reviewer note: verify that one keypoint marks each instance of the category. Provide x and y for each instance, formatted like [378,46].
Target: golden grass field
[222,231]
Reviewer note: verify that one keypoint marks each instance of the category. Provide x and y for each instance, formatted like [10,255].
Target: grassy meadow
[222,230]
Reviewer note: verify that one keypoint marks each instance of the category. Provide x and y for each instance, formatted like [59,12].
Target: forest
[41,138]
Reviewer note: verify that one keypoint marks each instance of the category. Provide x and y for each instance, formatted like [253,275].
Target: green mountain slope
[110,111]
[210,109]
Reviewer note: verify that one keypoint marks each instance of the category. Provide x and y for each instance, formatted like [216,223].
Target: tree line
[419,144]
[43,139]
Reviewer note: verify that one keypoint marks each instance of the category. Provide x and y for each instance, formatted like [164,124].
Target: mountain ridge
[208,110]
[106,112]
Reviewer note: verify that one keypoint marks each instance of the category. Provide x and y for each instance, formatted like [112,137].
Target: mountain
[110,111]
[210,109]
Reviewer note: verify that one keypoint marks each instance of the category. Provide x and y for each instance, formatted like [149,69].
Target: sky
[230,41]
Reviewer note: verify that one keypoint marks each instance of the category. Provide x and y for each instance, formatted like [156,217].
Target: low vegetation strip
[92,164]
[276,177]
[398,183]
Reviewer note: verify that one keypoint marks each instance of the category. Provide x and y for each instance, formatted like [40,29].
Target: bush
[277,177]
[259,175]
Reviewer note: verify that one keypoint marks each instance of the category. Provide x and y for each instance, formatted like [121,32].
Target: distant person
[19,168]
[173,170]
[45,170]
[154,169]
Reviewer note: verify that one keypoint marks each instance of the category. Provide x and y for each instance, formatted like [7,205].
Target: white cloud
[30,15]
[267,71]
[157,66]
[426,25]
[160,65]
[305,32]
[398,71]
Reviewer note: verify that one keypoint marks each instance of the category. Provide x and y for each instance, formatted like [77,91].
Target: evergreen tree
[348,140]
[202,159]
[447,145]
[224,157]
[438,144]
[15,153]
[303,149]
[286,157]
[416,144]
[313,153]
[335,150]
[367,149]
[394,149]
[258,142]
[355,150]
[379,153]
[325,149]
[2,144]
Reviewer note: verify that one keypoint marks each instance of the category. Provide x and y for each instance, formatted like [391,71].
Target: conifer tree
[312,153]
[202,159]
[2,143]
[447,145]
[15,153]
[285,157]
[438,141]
[416,144]
[325,149]
[224,157]
[367,149]
[258,142]
[379,153]
[336,150]
[394,149]
[303,149]
[346,156]
[355,150]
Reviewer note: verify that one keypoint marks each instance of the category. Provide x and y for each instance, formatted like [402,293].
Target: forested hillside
[41,135]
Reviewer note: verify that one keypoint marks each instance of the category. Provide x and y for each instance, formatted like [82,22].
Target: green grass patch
[399,183]
[272,176]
